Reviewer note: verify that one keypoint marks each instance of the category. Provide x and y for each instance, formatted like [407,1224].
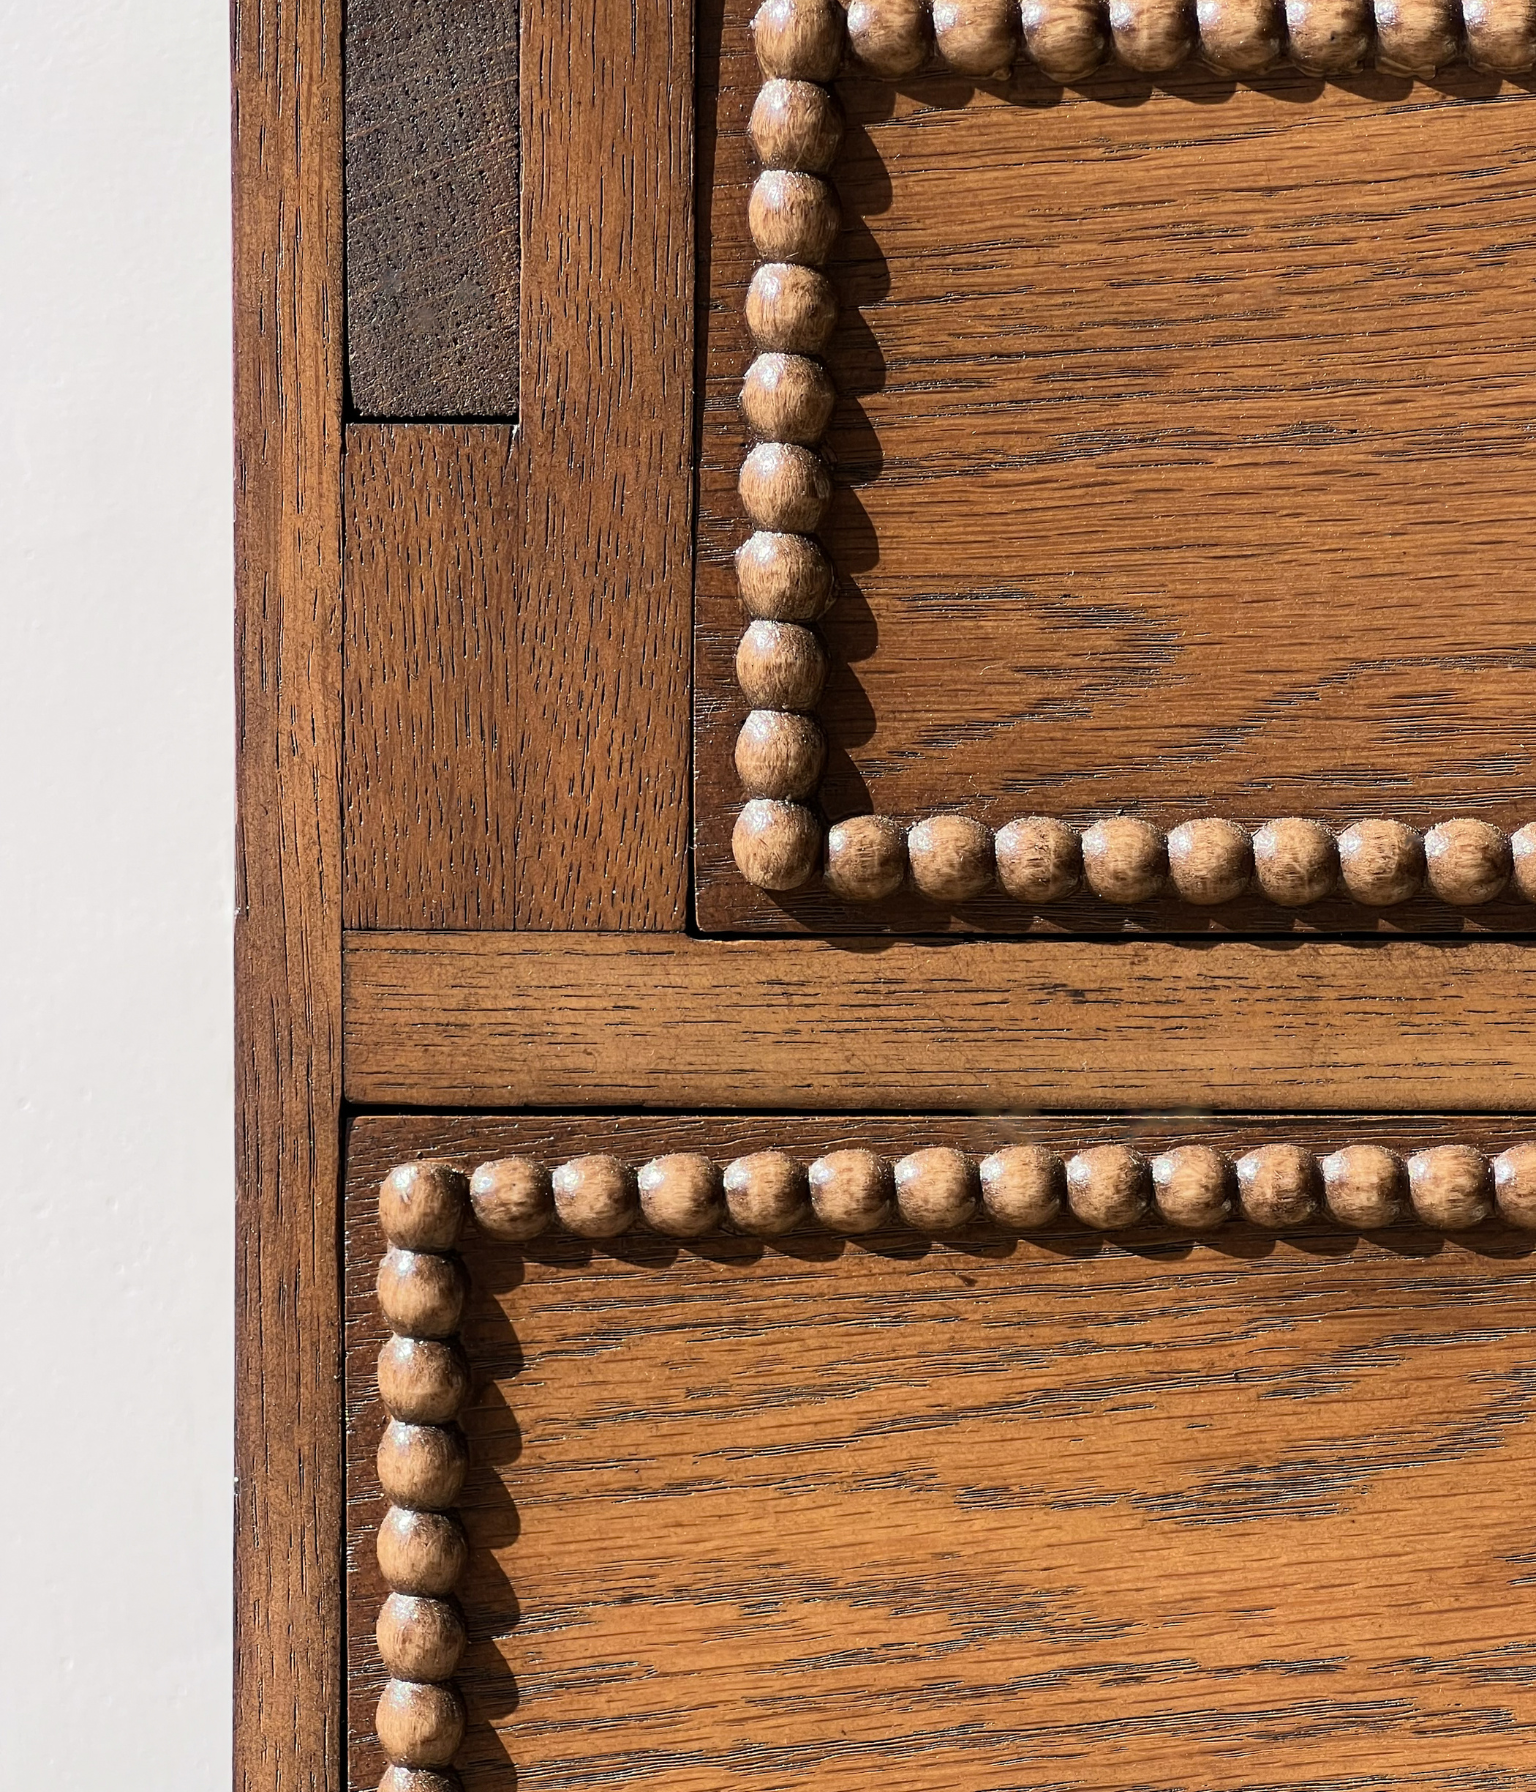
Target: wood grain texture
[987,1513]
[1177,462]
[606,425]
[432,208]
[288,405]
[499,1021]
[434,522]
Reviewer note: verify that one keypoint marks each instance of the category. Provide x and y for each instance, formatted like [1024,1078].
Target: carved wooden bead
[889,37]
[779,755]
[1501,34]
[866,858]
[936,1189]
[420,1779]
[1152,36]
[422,1206]
[801,40]
[1039,859]
[950,857]
[851,1190]
[791,308]
[421,1552]
[1108,1187]
[1467,862]
[784,487]
[1023,1186]
[1328,37]
[780,665]
[1279,1186]
[1522,851]
[1451,1187]
[783,578]
[1210,861]
[1192,1186]
[1514,1186]
[1381,862]
[1365,1187]
[680,1195]
[776,845]
[787,398]
[419,1724]
[976,37]
[766,1194]
[1296,861]
[796,124]
[421,1294]
[1241,37]
[1416,37]
[1125,860]
[422,1466]
[793,217]
[419,1639]
[595,1196]
[1066,39]
[512,1198]
[423,1380]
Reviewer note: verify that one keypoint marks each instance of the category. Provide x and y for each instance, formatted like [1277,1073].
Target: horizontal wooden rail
[619,1020]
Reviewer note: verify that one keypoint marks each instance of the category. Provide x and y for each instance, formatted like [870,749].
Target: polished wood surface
[289,379]
[479,1020]
[1147,1512]
[434,522]
[518,639]
[1238,538]
[607,428]
[433,242]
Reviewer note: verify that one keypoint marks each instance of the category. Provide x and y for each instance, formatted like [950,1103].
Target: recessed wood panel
[433,237]
[1181,465]
[987,1512]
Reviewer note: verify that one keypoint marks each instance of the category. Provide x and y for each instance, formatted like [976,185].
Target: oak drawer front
[1091,1500]
[1149,455]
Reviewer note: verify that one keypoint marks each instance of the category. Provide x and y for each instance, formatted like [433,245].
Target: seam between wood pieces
[786,580]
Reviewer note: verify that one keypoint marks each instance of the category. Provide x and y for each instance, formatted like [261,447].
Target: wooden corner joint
[785,578]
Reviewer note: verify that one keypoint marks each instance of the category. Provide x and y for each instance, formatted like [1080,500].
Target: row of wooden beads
[1292,862]
[787,399]
[1022,1187]
[423,1383]
[1068,40]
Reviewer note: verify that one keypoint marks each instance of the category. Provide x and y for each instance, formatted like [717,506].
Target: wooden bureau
[887,859]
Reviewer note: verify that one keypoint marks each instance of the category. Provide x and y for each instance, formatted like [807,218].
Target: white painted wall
[116,794]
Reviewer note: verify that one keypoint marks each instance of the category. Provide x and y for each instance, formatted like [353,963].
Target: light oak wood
[497,1021]
[434,526]
[289,377]
[945,489]
[1298,1456]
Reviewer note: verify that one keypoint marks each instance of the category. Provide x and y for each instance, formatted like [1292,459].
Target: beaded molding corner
[424,1375]
[784,576]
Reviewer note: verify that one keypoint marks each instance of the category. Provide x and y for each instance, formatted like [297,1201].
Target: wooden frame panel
[462,1544]
[956,869]
[449,1020]
[600,645]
